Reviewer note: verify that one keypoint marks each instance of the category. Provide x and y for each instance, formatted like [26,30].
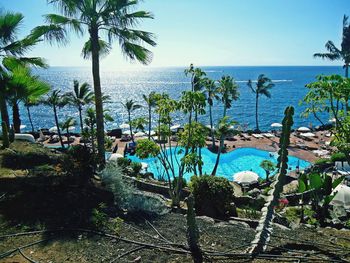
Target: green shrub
[322,161]
[136,168]
[80,162]
[184,182]
[213,196]
[338,157]
[123,162]
[99,218]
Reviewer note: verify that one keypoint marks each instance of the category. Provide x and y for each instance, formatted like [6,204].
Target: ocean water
[121,85]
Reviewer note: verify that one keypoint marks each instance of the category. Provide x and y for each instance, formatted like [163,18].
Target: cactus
[192,231]
[5,136]
[11,134]
[264,229]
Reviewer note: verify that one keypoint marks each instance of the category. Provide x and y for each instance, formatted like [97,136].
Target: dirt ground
[324,245]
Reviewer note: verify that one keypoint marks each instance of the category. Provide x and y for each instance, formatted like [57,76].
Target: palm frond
[73,24]
[9,25]
[328,56]
[137,52]
[105,49]
[51,33]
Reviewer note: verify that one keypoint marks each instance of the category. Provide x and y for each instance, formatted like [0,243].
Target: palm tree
[55,101]
[211,94]
[263,86]
[23,86]
[343,53]
[70,122]
[114,19]
[151,101]
[80,97]
[131,106]
[223,130]
[268,166]
[12,50]
[229,92]
[28,103]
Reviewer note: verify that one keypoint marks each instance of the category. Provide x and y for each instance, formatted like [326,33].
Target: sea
[122,85]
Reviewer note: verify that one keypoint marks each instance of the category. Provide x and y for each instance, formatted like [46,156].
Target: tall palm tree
[55,101]
[114,20]
[211,95]
[268,167]
[66,125]
[228,89]
[12,50]
[262,87]
[334,53]
[131,106]
[81,96]
[151,101]
[28,103]
[23,86]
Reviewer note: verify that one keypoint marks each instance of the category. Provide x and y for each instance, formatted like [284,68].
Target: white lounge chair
[257,136]
[268,135]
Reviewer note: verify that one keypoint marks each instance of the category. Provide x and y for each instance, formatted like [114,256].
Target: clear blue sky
[209,32]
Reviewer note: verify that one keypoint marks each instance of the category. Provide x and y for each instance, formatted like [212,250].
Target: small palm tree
[268,166]
[262,87]
[55,101]
[223,130]
[66,125]
[23,86]
[81,96]
[151,101]
[211,93]
[28,103]
[131,106]
[107,22]
[343,53]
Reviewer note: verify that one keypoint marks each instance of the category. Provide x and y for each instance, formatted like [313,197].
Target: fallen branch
[127,253]
[26,257]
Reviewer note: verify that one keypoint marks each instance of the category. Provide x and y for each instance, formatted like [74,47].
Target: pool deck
[267,144]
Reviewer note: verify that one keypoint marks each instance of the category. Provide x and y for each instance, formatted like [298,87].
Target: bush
[123,162]
[136,168]
[184,182]
[338,157]
[213,196]
[126,196]
[80,162]
[322,161]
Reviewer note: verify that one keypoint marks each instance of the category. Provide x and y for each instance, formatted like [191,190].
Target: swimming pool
[242,159]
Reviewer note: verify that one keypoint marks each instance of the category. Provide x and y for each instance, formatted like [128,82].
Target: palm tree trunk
[211,127]
[4,112]
[68,136]
[81,120]
[98,93]
[30,119]
[92,138]
[58,127]
[256,111]
[149,122]
[16,118]
[213,173]
[130,127]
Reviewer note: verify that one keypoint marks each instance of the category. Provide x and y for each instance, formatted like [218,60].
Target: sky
[212,33]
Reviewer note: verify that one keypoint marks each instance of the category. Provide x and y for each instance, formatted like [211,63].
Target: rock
[206,219]
[240,224]
[254,192]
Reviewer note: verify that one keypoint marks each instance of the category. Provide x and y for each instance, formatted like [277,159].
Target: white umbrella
[124,126]
[342,198]
[246,177]
[303,129]
[53,129]
[209,127]
[332,120]
[276,125]
[175,127]
[22,126]
[126,132]
[151,133]
[308,134]
[139,134]
[115,156]
[72,128]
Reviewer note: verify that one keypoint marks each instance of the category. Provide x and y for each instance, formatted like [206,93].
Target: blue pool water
[242,159]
